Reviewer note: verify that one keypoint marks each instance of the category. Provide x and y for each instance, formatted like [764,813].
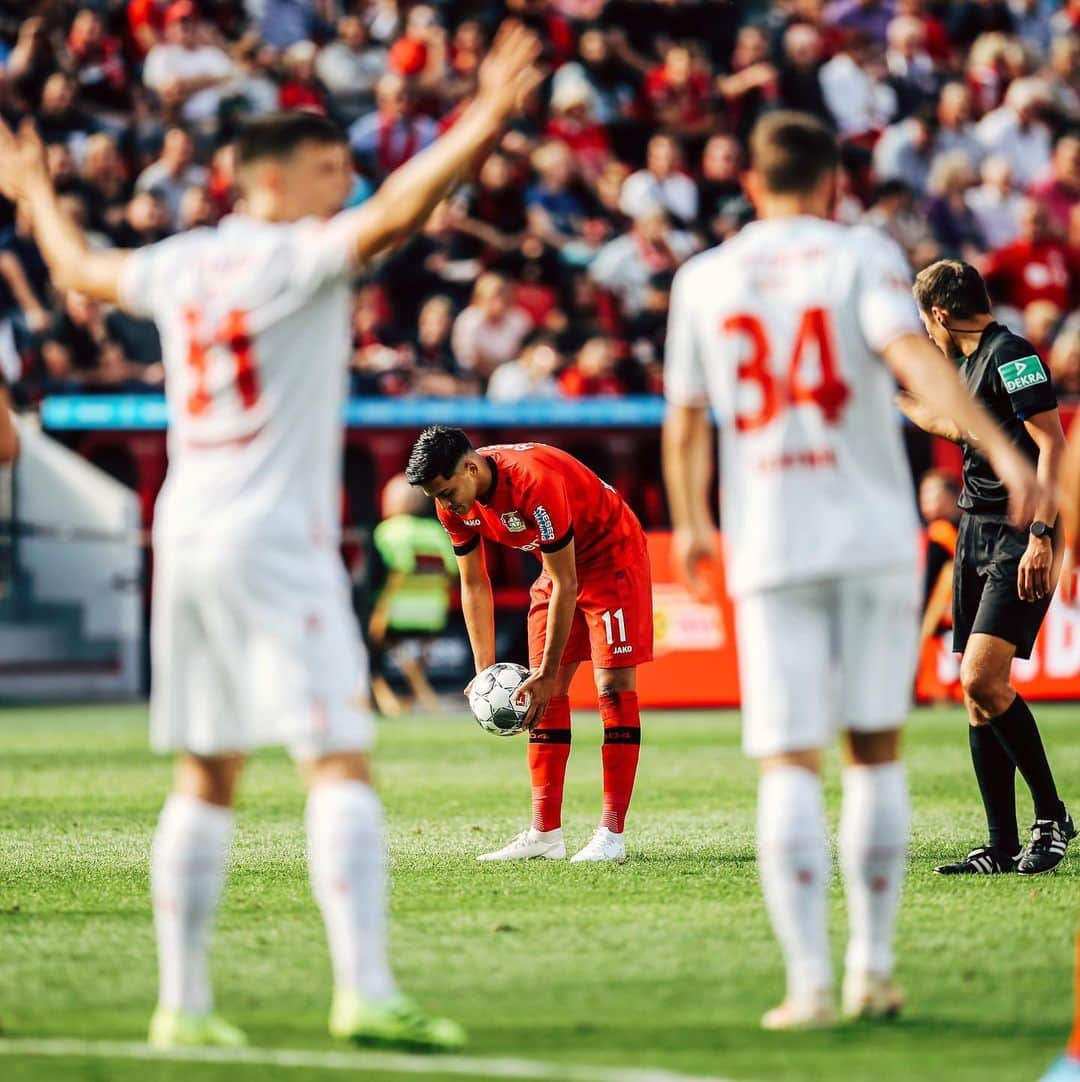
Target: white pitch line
[388,1063]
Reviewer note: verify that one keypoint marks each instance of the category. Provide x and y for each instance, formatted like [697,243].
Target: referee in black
[1004,576]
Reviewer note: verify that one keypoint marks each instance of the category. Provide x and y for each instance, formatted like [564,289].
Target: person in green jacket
[413,602]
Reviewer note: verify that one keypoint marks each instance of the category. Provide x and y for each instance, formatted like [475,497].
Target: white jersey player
[253,640]
[792,332]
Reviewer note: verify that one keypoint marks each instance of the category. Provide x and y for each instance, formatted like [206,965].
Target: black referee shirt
[1007,377]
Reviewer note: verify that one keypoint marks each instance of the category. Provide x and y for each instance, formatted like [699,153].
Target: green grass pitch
[666,961]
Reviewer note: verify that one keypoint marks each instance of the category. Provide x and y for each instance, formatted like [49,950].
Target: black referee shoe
[1045,851]
[982,861]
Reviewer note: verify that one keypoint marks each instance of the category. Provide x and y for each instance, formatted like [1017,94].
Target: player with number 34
[592,601]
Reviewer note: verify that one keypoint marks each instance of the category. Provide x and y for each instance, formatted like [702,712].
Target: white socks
[794,862]
[347,861]
[187,872]
[874,827]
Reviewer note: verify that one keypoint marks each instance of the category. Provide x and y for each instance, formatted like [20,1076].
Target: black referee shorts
[985,597]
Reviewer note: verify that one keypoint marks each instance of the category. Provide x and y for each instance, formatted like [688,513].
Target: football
[492,699]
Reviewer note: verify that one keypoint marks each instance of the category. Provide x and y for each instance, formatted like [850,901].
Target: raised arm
[921,367]
[72,263]
[410,193]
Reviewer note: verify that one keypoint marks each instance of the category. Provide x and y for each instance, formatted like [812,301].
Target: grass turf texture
[666,961]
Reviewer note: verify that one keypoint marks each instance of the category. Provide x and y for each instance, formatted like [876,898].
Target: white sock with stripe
[874,827]
[187,873]
[794,863]
[347,862]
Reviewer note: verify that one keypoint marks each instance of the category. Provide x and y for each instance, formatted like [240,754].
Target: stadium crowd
[548,274]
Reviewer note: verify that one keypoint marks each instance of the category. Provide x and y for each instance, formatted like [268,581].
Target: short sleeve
[148,274]
[886,307]
[322,252]
[1024,378]
[548,505]
[684,366]
[461,537]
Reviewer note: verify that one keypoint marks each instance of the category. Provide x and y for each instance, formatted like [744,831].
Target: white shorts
[255,646]
[834,653]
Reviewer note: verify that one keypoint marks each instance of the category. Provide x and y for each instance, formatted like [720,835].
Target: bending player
[254,641]
[783,330]
[593,600]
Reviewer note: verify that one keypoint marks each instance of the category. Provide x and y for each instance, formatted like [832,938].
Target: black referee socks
[1019,736]
[996,774]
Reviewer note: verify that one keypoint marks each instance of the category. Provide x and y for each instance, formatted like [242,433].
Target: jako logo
[472,522]
[623,650]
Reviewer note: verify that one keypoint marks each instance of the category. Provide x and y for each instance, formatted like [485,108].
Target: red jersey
[541,500]
[1023,272]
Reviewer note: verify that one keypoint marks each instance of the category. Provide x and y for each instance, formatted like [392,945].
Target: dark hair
[279,134]
[891,188]
[953,285]
[436,453]
[792,151]
[944,478]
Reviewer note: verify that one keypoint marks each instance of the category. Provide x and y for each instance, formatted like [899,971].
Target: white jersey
[254,323]
[780,330]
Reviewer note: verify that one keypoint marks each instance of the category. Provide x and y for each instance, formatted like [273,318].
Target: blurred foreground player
[1005,574]
[254,642]
[592,601]
[9,437]
[783,330]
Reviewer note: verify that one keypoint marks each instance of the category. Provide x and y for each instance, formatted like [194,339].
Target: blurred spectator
[195,209]
[421,55]
[625,265]
[1065,360]
[720,185]
[72,347]
[894,211]
[556,213]
[935,33]
[610,87]
[300,89]
[799,83]
[435,369]
[573,123]
[491,330]
[751,86]
[938,494]
[173,173]
[184,70]
[253,92]
[996,203]
[868,18]
[98,61]
[955,129]
[392,134]
[349,68]
[970,18]
[495,213]
[912,74]
[593,372]
[59,119]
[1036,266]
[1062,74]
[1059,190]
[1031,23]
[146,220]
[282,23]
[146,25]
[661,184]
[952,222]
[1041,322]
[106,186]
[379,365]
[32,61]
[906,150]
[1017,130]
[24,280]
[531,376]
[677,94]
[859,99]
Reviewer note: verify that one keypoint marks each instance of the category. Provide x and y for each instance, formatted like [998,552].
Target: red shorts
[613,623]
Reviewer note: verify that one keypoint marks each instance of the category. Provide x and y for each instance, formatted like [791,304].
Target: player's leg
[1067,1068]
[347,864]
[878,654]
[549,742]
[548,753]
[785,671]
[189,708]
[617,607]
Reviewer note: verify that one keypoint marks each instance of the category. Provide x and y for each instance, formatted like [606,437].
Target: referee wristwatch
[1039,529]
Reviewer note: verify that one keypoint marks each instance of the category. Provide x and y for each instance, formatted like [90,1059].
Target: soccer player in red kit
[593,600]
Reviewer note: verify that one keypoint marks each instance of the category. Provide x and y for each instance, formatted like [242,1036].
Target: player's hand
[1033,577]
[691,550]
[22,160]
[509,72]
[540,689]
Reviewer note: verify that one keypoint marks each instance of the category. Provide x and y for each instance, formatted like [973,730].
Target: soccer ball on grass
[492,699]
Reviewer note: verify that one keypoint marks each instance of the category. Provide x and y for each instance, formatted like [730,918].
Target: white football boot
[604,845]
[815,1012]
[868,995]
[530,844]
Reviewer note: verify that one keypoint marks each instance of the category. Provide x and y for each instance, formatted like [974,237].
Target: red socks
[549,748]
[622,743]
